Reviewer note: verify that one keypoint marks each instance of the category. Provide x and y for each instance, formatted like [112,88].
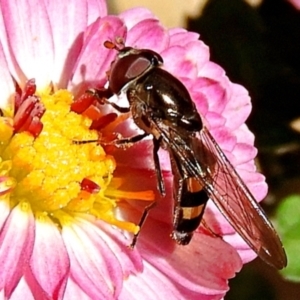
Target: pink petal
[74,289]
[201,102]
[151,284]
[248,166]
[4,211]
[211,70]
[243,153]
[129,259]
[67,24]
[256,183]
[196,50]
[140,156]
[214,92]
[244,135]
[259,190]
[49,264]
[243,249]
[13,67]
[215,120]
[216,221]
[208,95]
[180,36]
[94,60]
[204,266]
[148,34]
[7,87]
[238,108]
[22,291]
[225,139]
[250,177]
[133,16]
[16,240]
[183,67]
[237,241]
[247,255]
[96,9]
[94,266]
[30,38]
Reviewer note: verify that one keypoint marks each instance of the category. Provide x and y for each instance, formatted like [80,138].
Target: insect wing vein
[237,204]
[229,193]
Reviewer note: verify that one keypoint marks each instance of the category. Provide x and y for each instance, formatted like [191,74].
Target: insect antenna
[118,45]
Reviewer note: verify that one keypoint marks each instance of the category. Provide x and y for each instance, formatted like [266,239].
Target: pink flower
[66,209]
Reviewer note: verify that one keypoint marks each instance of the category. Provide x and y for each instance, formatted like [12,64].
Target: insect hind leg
[141,223]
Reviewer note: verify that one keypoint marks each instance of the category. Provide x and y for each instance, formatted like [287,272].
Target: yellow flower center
[47,172]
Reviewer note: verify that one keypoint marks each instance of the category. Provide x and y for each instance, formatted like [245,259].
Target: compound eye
[126,69]
[137,67]
[129,65]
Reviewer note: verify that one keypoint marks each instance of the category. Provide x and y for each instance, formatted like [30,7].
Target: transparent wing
[204,160]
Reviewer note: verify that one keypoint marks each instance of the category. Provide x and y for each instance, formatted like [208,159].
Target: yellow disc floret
[48,170]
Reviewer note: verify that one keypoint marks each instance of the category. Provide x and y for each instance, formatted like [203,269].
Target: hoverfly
[162,107]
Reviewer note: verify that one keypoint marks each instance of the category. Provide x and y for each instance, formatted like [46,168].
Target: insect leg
[85,142]
[116,142]
[141,222]
[130,140]
[161,188]
[100,93]
[160,181]
[103,94]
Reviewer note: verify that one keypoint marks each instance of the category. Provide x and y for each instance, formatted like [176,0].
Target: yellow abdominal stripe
[192,212]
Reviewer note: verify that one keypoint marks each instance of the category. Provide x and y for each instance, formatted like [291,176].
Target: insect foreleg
[159,177]
[103,94]
[127,141]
